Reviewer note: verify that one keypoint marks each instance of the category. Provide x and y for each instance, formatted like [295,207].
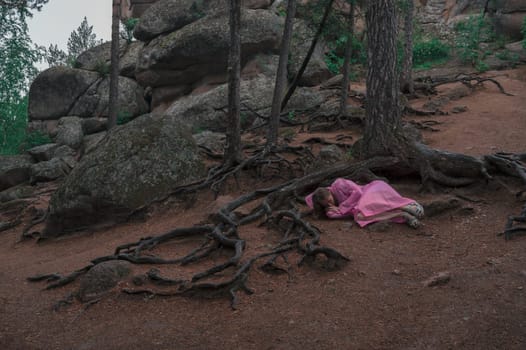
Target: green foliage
[35,138]
[470,34]
[507,55]
[481,66]
[281,9]
[127,27]
[23,4]
[523,31]
[197,8]
[334,58]
[55,56]
[18,57]
[102,68]
[13,125]
[75,64]
[82,39]
[312,12]
[350,154]
[15,138]
[429,52]
[243,117]
[124,117]
[334,62]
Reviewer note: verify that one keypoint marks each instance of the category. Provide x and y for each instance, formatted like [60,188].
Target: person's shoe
[411,221]
[414,209]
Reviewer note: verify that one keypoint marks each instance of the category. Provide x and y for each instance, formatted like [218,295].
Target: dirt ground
[377,301]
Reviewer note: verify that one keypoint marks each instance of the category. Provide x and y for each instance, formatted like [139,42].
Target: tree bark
[114,74]
[406,73]
[383,113]
[297,78]
[281,76]
[347,61]
[233,151]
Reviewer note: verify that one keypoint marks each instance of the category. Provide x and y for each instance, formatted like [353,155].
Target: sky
[58,18]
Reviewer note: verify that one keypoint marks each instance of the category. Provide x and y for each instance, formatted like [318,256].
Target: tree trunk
[406,73]
[383,134]
[382,123]
[297,78]
[114,74]
[281,76]
[233,151]
[347,61]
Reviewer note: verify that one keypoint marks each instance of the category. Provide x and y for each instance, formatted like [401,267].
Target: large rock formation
[136,163]
[95,101]
[98,58]
[166,16]
[62,91]
[316,71]
[200,49]
[508,16]
[441,15]
[207,111]
[56,89]
[14,170]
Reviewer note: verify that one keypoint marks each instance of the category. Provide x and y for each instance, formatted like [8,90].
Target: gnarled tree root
[512,165]
[510,230]
[279,210]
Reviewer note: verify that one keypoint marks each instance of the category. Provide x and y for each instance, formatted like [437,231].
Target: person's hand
[332,208]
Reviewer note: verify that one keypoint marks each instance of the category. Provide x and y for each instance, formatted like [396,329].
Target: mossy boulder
[133,165]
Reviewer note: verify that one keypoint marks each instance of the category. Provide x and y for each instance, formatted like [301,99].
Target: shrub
[523,31]
[334,58]
[102,68]
[432,50]
[469,35]
[13,123]
[506,55]
[18,140]
[35,138]
[123,118]
[128,26]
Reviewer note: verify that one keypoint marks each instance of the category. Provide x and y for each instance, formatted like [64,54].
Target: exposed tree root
[509,164]
[512,165]
[454,170]
[410,110]
[4,226]
[323,141]
[511,230]
[426,125]
[427,85]
[13,212]
[277,208]
[472,81]
[434,166]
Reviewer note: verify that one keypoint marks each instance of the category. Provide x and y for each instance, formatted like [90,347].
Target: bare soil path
[377,301]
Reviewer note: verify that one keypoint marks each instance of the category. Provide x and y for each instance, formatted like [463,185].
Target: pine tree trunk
[382,123]
[281,76]
[114,73]
[406,74]
[347,61]
[233,151]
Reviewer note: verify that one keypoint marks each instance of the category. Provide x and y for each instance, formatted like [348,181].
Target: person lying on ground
[374,202]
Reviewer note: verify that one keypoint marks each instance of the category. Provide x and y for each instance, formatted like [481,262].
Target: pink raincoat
[374,198]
